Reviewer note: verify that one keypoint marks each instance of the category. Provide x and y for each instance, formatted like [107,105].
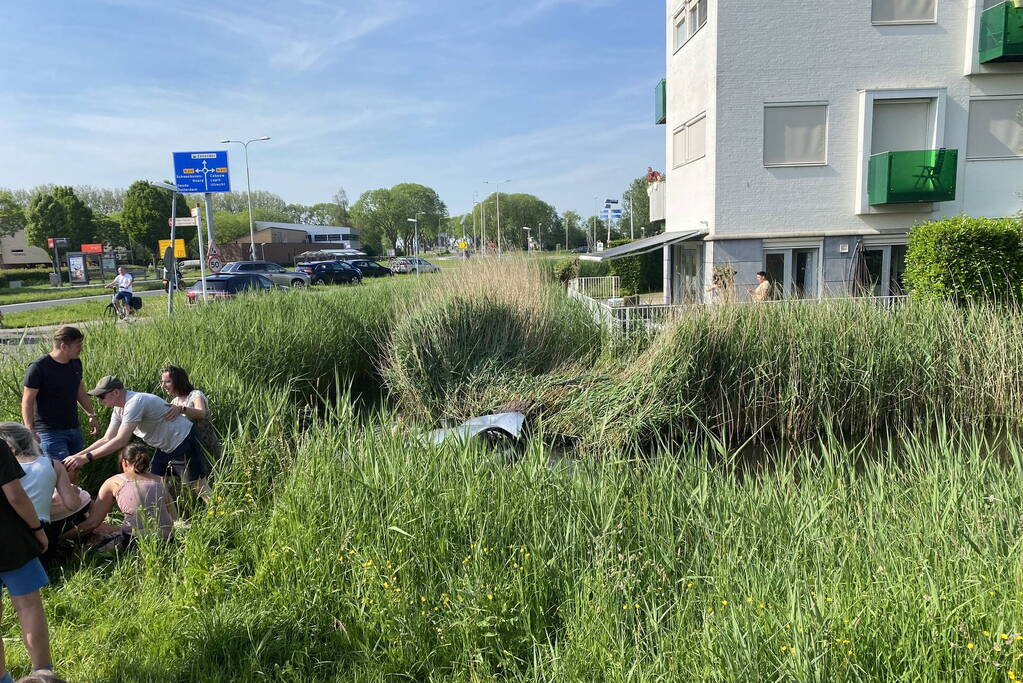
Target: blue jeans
[60,443]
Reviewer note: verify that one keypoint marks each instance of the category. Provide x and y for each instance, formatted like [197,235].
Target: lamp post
[497,183]
[529,234]
[248,184]
[416,239]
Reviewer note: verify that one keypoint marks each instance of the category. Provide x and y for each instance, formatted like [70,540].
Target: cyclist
[123,293]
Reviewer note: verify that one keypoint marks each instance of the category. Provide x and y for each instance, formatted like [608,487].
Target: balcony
[661,102]
[1001,34]
[925,175]
[656,191]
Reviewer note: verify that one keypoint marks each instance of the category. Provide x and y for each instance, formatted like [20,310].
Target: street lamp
[416,239]
[248,183]
[497,183]
[529,234]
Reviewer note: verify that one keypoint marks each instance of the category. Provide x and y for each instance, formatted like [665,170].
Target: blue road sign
[198,172]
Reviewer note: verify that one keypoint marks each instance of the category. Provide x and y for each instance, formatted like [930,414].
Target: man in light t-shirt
[157,423]
[122,286]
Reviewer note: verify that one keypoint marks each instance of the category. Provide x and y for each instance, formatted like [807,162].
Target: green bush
[963,259]
[638,274]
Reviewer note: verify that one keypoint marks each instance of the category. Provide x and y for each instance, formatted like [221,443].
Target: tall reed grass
[336,553]
[338,547]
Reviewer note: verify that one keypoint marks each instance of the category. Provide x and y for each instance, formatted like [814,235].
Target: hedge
[965,259]
[638,274]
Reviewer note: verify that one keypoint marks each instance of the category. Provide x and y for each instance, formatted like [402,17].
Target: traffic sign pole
[168,260]
[208,197]
[202,258]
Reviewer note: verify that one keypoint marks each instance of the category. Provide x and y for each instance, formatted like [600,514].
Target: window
[903,11]
[793,272]
[902,125]
[680,30]
[996,131]
[697,15]
[795,135]
[690,19]
[678,147]
[885,266]
[689,142]
[696,139]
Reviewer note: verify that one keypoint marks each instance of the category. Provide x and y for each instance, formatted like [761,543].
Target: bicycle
[111,311]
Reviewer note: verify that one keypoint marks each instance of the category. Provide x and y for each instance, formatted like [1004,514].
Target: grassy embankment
[340,549]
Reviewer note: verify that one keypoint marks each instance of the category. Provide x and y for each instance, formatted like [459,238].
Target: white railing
[622,317]
[597,287]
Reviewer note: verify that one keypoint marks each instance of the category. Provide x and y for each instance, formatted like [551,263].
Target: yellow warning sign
[179,248]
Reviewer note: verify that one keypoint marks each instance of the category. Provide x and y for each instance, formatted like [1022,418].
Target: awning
[642,246]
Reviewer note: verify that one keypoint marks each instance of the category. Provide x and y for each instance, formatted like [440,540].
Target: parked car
[371,268]
[413,265]
[331,272]
[229,285]
[275,272]
[580,250]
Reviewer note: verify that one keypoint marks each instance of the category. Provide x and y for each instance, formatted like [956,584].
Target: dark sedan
[331,272]
[371,268]
[229,285]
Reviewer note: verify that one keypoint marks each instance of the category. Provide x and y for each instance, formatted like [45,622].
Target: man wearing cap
[51,388]
[159,424]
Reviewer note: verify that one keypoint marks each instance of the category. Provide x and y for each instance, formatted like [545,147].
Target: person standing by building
[21,572]
[52,387]
[762,292]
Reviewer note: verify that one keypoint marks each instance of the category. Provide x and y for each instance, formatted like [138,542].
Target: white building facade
[799,134]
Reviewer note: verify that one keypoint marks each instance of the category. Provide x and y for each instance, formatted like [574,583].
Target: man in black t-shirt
[52,387]
[21,573]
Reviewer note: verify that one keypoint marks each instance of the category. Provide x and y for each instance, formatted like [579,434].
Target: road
[29,305]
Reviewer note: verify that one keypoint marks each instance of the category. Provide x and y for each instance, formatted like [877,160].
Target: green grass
[28,294]
[341,547]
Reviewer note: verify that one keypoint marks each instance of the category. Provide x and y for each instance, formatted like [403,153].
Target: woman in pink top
[140,496]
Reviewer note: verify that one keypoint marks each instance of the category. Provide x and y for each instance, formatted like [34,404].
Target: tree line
[136,218]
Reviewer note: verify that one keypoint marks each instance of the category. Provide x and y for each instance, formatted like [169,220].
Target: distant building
[283,242]
[15,251]
[319,234]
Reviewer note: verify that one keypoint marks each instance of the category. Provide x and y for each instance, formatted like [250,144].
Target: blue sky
[556,95]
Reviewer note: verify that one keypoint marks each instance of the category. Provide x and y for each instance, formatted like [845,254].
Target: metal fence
[622,319]
[597,287]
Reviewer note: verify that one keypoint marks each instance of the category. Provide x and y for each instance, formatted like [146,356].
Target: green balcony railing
[1001,33]
[661,102]
[924,175]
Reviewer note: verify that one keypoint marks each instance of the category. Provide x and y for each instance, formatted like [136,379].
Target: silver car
[277,273]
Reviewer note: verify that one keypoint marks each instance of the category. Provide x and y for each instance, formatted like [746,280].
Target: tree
[12,215]
[107,230]
[237,202]
[341,201]
[519,211]
[145,214]
[58,213]
[382,215]
[636,203]
[573,229]
[100,199]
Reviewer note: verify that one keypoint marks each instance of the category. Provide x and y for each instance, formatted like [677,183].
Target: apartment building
[800,135]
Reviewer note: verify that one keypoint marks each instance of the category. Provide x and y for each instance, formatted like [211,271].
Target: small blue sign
[199,172]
